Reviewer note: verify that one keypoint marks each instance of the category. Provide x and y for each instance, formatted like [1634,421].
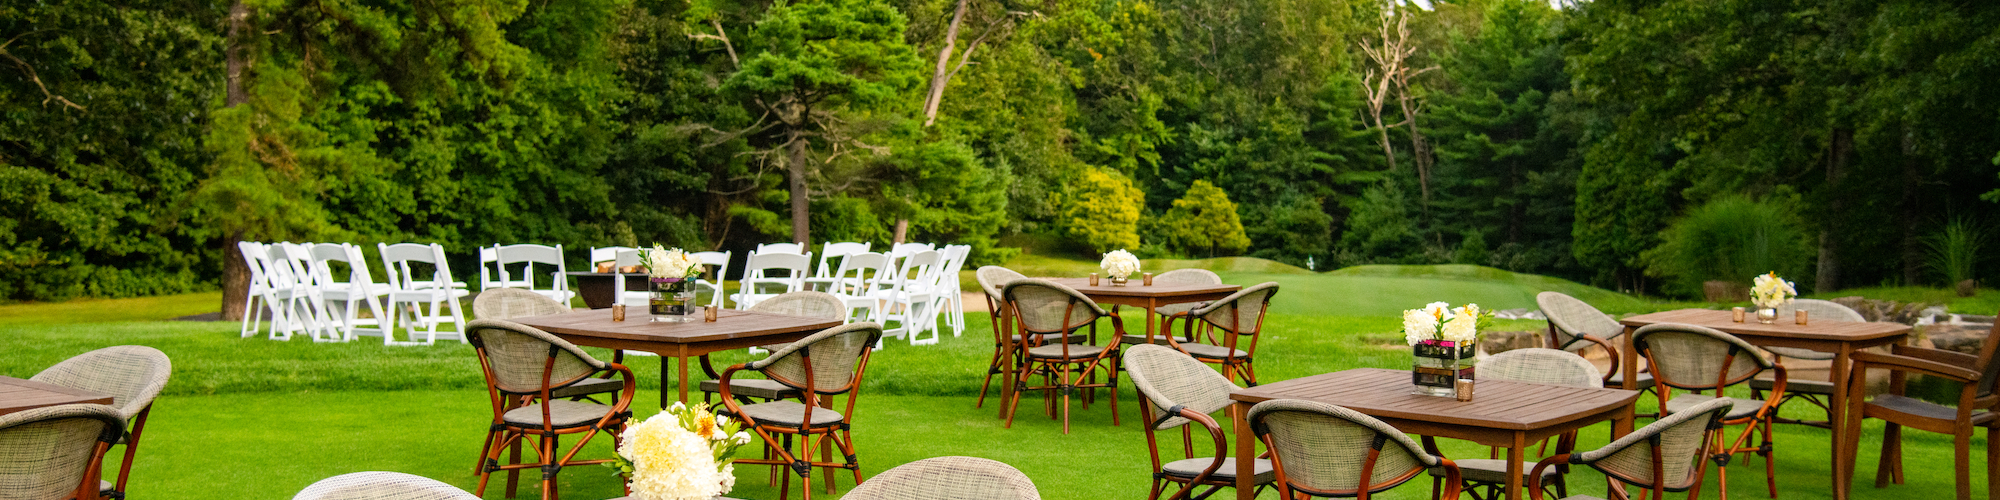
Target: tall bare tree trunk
[1420,148]
[801,216]
[1842,147]
[941,75]
[902,232]
[235,272]
[1913,256]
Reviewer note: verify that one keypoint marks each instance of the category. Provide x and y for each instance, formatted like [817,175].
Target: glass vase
[1767,315]
[1118,280]
[671,300]
[1438,365]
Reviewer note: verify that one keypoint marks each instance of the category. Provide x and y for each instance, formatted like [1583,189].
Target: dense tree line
[1590,140]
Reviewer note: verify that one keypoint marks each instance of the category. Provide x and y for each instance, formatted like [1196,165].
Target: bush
[1103,211]
[1203,222]
[1955,250]
[1729,239]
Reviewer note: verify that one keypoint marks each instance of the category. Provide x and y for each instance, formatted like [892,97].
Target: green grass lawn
[255,418]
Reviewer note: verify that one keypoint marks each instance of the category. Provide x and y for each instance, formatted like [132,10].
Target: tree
[1103,211]
[1204,220]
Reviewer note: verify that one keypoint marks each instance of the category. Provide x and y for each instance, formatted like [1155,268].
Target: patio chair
[991,280]
[946,298]
[760,279]
[809,304]
[600,255]
[258,296]
[1668,455]
[948,478]
[55,452]
[434,289]
[910,299]
[297,295]
[1237,316]
[510,303]
[1322,450]
[830,251]
[344,294]
[1180,390]
[781,248]
[1485,478]
[718,270]
[1817,392]
[529,256]
[490,275]
[1043,307]
[1977,399]
[381,486]
[521,361]
[132,375]
[825,364]
[1169,311]
[1697,358]
[854,281]
[1575,325]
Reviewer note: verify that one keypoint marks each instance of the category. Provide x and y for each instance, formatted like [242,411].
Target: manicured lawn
[254,418]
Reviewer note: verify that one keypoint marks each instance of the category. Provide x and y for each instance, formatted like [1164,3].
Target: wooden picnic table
[18,395]
[733,329]
[1135,293]
[1506,414]
[1841,338]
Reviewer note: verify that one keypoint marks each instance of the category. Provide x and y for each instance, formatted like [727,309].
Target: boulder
[1888,310]
[1499,342]
[1519,313]
[1965,338]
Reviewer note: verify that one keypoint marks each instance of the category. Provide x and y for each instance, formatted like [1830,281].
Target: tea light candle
[1148,279]
[1801,313]
[1464,389]
[708,314]
[618,312]
[1736,314]
[1093,279]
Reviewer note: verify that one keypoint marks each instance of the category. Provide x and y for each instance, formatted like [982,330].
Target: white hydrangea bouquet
[1119,264]
[1769,291]
[1442,339]
[1439,321]
[671,264]
[683,453]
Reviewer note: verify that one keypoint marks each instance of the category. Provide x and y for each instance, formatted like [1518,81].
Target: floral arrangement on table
[1119,264]
[1443,340]
[1768,292]
[671,264]
[683,453]
[672,273]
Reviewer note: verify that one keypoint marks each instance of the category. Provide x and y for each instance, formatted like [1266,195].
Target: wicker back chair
[809,304]
[1485,478]
[525,368]
[1817,392]
[991,280]
[1668,455]
[381,486]
[1976,377]
[1575,325]
[948,478]
[53,453]
[1171,311]
[1043,307]
[510,303]
[1237,316]
[131,374]
[824,364]
[1324,450]
[1698,358]
[1178,390]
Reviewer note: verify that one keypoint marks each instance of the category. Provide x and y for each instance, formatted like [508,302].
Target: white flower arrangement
[1119,264]
[1440,321]
[680,454]
[672,264]
[1769,291]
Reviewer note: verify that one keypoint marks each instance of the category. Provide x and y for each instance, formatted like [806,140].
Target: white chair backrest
[860,273]
[758,271]
[717,264]
[286,269]
[628,258]
[530,256]
[902,250]
[325,255]
[256,258]
[489,268]
[953,261]
[831,251]
[920,271]
[396,260]
[781,248]
[606,254]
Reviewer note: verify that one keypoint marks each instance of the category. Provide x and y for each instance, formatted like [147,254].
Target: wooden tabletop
[18,395]
[1385,393]
[1814,329]
[730,324]
[1136,288]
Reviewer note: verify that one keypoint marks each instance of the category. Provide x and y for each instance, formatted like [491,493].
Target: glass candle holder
[708,314]
[1801,313]
[1147,279]
[618,312]
[1736,314]
[1093,279]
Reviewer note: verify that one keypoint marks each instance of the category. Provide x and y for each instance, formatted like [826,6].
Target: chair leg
[992,368]
[1992,465]
[1111,383]
[1068,388]
[1892,444]
[1961,449]
[1770,455]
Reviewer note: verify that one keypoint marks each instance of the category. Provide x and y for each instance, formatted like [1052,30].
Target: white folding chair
[760,280]
[294,295]
[599,255]
[831,251]
[528,256]
[718,269]
[780,248]
[856,281]
[435,292]
[910,299]
[490,275]
[257,297]
[345,295]
[950,300]
[621,259]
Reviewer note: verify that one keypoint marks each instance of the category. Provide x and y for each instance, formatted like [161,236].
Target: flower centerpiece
[683,453]
[1443,339]
[1118,265]
[672,273]
[1768,291]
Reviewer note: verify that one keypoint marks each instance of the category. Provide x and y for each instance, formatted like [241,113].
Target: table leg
[1152,304]
[666,395]
[1837,372]
[1629,362]
[684,379]
[1514,466]
[1246,451]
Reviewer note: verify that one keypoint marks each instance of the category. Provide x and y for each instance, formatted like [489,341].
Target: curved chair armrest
[1912,364]
[631,388]
[728,400]
[1221,451]
[1954,358]
[1454,480]
[1608,349]
[1535,475]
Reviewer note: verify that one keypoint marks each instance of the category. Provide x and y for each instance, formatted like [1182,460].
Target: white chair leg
[250,314]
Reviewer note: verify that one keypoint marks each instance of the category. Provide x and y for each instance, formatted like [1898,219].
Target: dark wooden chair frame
[1657,489]
[1232,367]
[827,435]
[1057,374]
[504,435]
[1207,476]
[1979,375]
[1363,489]
[1763,417]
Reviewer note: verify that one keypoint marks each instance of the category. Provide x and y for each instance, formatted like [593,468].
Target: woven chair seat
[1926,409]
[1795,386]
[1617,379]
[1582,497]
[1052,338]
[588,387]
[786,414]
[1212,351]
[1487,470]
[1159,339]
[1172,309]
[1055,351]
[1742,408]
[752,387]
[562,413]
[1192,467]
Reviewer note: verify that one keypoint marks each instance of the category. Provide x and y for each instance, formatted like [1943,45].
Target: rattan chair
[1322,450]
[1485,478]
[1668,455]
[948,478]
[132,375]
[1043,307]
[991,280]
[521,363]
[511,303]
[809,304]
[1697,358]
[1575,325]
[1978,399]
[1169,311]
[1817,392]
[56,452]
[1237,316]
[1178,390]
[825,364]
[381,486]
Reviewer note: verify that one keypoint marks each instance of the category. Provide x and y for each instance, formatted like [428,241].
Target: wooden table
[732,330]
[1509,414]
[1134,294]
[1841,338]
[18,395]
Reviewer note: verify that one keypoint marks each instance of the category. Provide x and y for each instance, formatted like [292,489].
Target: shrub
[1202,222]
[1103,211]
[1730,239]
[1955,250]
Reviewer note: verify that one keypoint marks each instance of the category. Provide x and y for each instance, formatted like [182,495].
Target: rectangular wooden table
[1507,414]
[18,395]
[1135,293]
[732,330]
[1841,338]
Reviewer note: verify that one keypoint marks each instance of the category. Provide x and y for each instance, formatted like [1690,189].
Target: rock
[1519,313]
[1499,342]
[1888,310]
[1971,319]
[1967,288]
[1962,338]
